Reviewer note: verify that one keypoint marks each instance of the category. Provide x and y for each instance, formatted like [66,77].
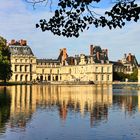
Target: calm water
[69,113]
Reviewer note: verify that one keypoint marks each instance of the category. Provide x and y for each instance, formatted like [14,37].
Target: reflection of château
[93,100]
[26,67]
[20,102]
[126,65]
[129,102]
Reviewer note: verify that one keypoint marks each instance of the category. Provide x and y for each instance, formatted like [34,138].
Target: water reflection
[18,104]
[127,100]
[5,103]
[83,99]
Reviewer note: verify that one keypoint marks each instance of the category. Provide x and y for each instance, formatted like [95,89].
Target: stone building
[126,65]
[23,61]
[27,68]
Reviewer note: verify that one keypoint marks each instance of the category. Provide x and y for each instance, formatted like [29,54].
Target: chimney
[91,49]
[23,42]
[12,42]
[63,54]
[106,52]
[98,55]
[129,57]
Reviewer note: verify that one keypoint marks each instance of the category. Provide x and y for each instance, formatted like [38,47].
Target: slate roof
[48,61]
[20,50]
[116,63]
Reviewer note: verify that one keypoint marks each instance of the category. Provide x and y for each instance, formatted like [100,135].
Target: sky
[18,19]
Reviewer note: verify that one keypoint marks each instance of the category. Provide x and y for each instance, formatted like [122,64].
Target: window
[26,68]
[16,77]
[42,71]
[96,69]
[30,68]
[102,69]
[50,70]
[96,77]
[108,77]
[70,70]
[15,67]
[21,77]
[20,68]
[102,77]
[107,69]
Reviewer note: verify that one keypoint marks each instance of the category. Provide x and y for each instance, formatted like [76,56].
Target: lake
[60,112]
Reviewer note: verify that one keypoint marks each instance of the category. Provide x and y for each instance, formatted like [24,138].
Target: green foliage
[74,16]
[134,76]
[119,76]
[5,64]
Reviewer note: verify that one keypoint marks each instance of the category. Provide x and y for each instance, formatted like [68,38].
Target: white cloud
[18,21]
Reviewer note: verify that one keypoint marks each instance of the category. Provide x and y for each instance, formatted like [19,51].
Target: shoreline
[67,83]
[125,83]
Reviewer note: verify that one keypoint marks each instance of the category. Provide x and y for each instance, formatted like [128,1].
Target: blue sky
[18,19]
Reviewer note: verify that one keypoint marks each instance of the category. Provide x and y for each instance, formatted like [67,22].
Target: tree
[120,76]
[74,16]
[134,76]
[5,64]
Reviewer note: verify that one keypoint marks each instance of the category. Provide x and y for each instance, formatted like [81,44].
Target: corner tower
[23,61]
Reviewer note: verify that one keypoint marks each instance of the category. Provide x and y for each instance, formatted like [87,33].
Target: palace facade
[126,65]
[27,68]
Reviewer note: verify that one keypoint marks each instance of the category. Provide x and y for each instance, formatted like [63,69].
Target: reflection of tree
[5,102]
[127,102]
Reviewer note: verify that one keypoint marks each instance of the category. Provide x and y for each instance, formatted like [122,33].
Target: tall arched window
[26,78]
[21,77]
[16,77]
[49,78]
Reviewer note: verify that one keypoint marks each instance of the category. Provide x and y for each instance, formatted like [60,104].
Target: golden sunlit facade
[27,68]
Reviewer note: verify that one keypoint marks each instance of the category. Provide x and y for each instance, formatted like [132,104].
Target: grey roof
[116,63]
[20,50]
[97,49]
[48,61]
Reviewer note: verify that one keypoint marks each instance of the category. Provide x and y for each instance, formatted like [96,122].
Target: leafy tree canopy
[134,76]
[120,76]
[5,64]
[74,16]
